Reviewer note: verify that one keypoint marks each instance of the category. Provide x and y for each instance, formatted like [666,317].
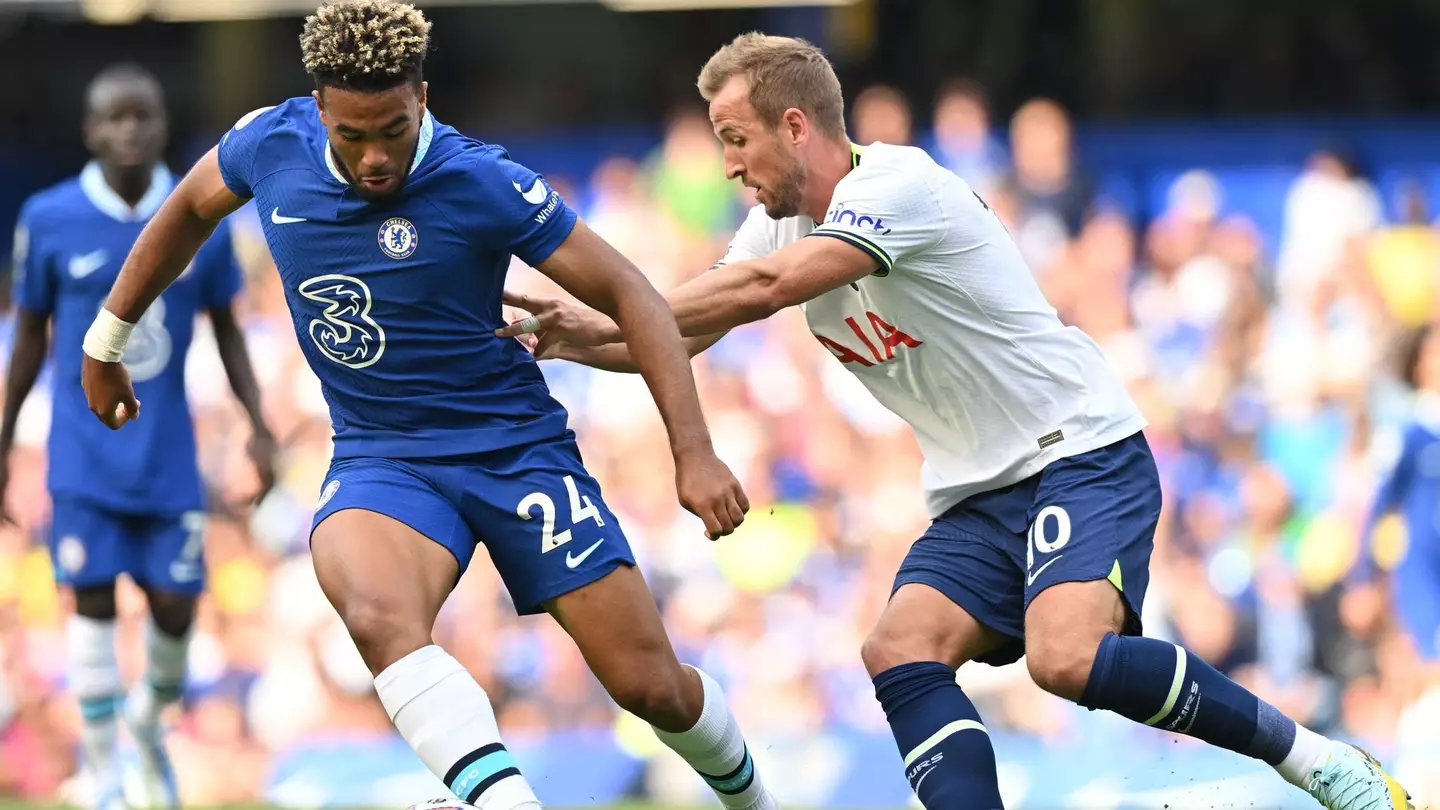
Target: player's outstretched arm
[588,268]
[165,247]
[726,297]
[612,357]
[754,289]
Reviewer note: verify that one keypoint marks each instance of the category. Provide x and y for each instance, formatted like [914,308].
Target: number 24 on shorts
[581,509]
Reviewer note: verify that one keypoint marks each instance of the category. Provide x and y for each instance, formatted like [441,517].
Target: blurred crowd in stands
[1270,373]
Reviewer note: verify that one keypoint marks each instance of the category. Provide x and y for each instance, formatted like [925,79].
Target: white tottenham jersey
[952,333]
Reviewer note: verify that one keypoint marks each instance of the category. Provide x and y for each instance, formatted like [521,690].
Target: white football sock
[715,748]
[1307,754]
[95,682]
[166,659]
[446,717]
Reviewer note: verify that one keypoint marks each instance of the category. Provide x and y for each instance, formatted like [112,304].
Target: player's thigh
[387,550]
[1088,548]
[542,518]
[919,624]
[169,552]
[959,593]
[89,545]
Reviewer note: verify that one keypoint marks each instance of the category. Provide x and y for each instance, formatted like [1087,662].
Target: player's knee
[382,633]
[96,602]
[657,699]
[1059,663]
[173,613]
[892,644]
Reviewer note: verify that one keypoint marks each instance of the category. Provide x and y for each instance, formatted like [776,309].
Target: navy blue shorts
[1083,518]
[92,546]
[539,514]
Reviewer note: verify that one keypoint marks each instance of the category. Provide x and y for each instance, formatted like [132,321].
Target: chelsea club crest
[398,238]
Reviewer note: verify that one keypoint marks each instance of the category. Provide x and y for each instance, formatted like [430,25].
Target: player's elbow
[769,292]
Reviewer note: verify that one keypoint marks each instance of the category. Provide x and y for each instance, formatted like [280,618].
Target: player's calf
[614,622]
[911,655]
[167,647]
[94,673]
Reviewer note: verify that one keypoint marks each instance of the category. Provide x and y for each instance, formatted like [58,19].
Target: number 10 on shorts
[1040,541]
[581,509]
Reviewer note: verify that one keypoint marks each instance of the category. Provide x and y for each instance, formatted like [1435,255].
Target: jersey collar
[856,150]
[103,197]
[427,133]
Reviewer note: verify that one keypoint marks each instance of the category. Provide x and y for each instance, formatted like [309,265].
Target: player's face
[762,156]
[374,135]
[125,125]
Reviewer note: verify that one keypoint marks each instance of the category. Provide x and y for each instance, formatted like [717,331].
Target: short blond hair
[365,44]
[783,72]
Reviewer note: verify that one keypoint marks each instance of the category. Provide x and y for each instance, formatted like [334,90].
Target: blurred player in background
[1043,490]
[1411,488]
[392,234]
[130,502]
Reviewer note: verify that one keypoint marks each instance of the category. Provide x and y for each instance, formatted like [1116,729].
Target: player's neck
[129,183]
[832,161]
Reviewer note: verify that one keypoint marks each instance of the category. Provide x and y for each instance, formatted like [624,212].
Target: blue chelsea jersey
[395,303]
[71,241]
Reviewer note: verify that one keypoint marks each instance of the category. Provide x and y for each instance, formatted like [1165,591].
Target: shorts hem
[319,519]
[536,604]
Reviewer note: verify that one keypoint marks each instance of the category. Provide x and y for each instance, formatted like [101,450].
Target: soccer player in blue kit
[1043,492]
[392,234]
[128,502]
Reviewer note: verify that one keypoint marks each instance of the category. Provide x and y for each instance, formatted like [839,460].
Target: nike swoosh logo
[280,220]
[1030,580]
[536,194]
[82,266]
[572,561]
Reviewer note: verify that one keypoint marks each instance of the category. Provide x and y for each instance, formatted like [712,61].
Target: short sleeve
[889,214]
[754,240]
[217,268]
[34,283]
[521,209]
[239,149]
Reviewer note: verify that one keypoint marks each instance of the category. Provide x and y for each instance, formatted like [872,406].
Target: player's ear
[424,95]
[795,126]
[319,102]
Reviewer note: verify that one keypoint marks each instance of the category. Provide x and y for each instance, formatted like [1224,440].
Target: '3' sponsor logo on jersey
[344,332]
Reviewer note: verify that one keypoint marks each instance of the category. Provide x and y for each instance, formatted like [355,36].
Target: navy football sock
[1162,685]
[948,757]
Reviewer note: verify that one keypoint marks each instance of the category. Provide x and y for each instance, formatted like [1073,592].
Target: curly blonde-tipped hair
[783,72]
[365,45]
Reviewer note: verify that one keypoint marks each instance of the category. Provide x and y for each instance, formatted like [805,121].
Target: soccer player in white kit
[1043,493]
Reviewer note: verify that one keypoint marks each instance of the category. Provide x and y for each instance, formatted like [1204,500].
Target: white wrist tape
[105,340]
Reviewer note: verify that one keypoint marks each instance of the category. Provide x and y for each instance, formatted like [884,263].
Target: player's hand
[711,492]
[262,450]
[554,321]
[108,392]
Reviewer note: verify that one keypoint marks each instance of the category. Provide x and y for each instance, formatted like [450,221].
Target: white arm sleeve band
[105,340]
